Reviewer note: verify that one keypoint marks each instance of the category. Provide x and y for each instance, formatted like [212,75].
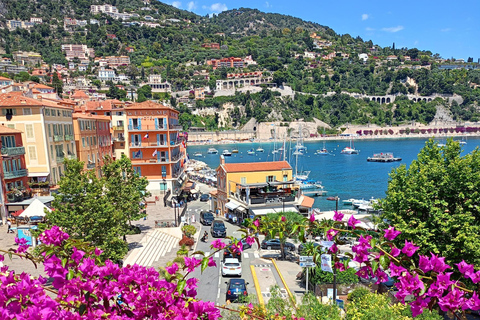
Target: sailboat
[251,152]
[324,150]
[260,149]
[351,149]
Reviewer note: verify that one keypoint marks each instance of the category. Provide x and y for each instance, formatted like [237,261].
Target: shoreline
[343,138]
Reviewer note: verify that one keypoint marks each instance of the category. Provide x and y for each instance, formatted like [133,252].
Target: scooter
[204,238]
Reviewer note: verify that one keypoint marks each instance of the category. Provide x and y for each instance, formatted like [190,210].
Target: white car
[231,267]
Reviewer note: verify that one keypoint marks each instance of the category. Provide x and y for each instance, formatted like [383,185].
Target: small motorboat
[260,149]
[383,157]
[322,152]
[226,153]
[348,202]
[235,150]
[251,152]
[198,154]
[212,151]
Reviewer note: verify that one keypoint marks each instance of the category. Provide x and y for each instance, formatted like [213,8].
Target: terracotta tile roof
[3,78]
[307,202]
[78,115]
[79,94]
[149,105]
[42,86]
[98,105]
[13,99]
[4,129]
[256,166]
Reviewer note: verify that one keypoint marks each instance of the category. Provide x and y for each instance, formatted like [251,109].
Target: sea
[342,175]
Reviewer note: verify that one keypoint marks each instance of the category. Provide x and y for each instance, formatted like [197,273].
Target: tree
[436,201]
[280,225]
[57,83]
[82,209]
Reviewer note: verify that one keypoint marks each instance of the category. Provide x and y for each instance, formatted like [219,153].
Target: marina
[347,177]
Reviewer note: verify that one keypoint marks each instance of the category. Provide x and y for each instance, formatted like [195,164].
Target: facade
[255,189]
[92,140]
[27,58]
[231,62]
[200,94]
[47,133]
[114,61]
[119,119]
[105,8]
[106,74]
[155,82]
[14,175]
[155,148]
[212,45]
[5,82]
[79,51]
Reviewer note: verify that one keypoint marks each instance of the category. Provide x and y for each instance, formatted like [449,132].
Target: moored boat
[251,152]
[198,154]
[322,152]
[226,153]
[348,202]
[383,157]
[260,149]
[234,150]
[212,151]
[351,149]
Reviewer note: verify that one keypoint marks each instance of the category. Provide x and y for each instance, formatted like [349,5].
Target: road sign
[307,264]
[306,258]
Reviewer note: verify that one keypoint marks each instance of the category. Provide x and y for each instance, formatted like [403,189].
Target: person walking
[9,225]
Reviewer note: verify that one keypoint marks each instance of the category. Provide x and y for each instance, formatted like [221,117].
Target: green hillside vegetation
[276,42]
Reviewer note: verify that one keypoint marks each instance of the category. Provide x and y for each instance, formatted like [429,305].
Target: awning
[307,202]
[37,174]
[231,205]
[240,207]
[265,211]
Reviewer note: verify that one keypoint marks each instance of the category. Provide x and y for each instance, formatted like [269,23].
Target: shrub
[344,277]
[189,230]
[357,294]
[186,241]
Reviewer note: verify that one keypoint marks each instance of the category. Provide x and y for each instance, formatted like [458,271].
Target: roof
[12,99]
[4,129]
[79,94]
[42,86]
[307,202]
[256,166]
[3,78]
[78,115]
[149,105]
[99,105]
[36,208]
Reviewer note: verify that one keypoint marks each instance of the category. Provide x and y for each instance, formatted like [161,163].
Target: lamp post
[336,198]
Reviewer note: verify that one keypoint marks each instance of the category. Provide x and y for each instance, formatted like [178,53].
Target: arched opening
[388,100]
[383,100]
[373,99]
[429,99]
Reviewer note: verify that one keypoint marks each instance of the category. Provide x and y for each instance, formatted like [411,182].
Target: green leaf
[384,262]
[204,263]
[64,262]
[374,266]
[82,309]
[373,242]
[181,285]
[70,274]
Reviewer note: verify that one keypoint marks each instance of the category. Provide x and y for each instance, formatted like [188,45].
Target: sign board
[307,264]
[340,303]
[306,259]
[326,244]
[327,263]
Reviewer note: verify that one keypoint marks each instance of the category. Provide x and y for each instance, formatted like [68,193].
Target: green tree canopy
[435,202]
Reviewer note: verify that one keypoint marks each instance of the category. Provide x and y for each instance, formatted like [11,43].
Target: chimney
[222,160]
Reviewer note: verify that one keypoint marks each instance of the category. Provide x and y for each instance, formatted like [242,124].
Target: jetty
[314,193]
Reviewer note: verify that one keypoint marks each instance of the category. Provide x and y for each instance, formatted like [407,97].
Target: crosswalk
[246,255]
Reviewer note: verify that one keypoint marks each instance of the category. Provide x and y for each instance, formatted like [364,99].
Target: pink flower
[395,252]
[338,216]
[22,245]
[312,217]
[98,252]
[172,269]
[191,263]
[218,244]
[237,247]
[381,276]
[452,301]
[472,303]
[409,249]
[465,268]
[438,264]
[391,233]
[364,272]
[211,262]
[77,255]
[333,248]
[443,280]
[284,219]
[53,236]
[352,222]
[250,240]
[418,305]
[331,234]
[339,266]
[256,223]
[424,264]
[395,270]
[475,277]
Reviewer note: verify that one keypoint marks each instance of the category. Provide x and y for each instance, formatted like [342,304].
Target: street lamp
[336,198]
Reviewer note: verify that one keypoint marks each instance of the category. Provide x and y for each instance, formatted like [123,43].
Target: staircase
[154,245]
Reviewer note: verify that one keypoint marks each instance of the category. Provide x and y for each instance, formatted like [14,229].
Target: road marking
[218,294]
[257,286]
[256,255]
[284,283]
[216,255]
[207,254]
[245,255]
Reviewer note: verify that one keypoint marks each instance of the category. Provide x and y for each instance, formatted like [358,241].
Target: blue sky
[451,28]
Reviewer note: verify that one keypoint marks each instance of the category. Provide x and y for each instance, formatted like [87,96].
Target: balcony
[60,159]
[15,174]
[69,137]
[13,151]
[71,156]
[118,128]
[177,157]
[119,139]
[175,127]
[57,138]
[148,128]
[90,165]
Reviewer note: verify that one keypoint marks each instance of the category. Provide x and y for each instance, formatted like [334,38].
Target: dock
[315,193]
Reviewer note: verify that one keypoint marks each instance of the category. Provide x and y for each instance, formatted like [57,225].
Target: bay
[345,176]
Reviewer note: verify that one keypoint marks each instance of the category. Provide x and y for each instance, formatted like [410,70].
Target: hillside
[310,58]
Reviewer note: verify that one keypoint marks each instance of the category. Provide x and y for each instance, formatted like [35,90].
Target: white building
[363,57]
[106,74]
[105,8]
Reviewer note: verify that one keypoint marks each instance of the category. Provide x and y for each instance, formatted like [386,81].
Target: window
[285,177]
[9,112]
[51,151]
[138,170]
[8,142]
[243,180]
[29,131]
[94,141]
[271,178]
[83,142]
[49,130]
[58,113]
[11,126]
[47,112]
[32,153]
[54,173]
[27,111]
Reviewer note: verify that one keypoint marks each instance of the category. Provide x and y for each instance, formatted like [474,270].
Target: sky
[451,29]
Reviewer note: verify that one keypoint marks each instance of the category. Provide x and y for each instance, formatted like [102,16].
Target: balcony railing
[119,139]
[69,137]
[118,128]
[60,159]
[15,174]
[13,151]
[265,199]
[175,127]
[71,156]
[90,165]
[57,138]
[148,144]
[177,157]
[153,127]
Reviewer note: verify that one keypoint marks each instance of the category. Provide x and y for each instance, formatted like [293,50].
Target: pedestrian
[193,218]
[9,224]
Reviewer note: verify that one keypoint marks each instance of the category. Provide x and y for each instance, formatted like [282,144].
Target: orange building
[92,139]
[154,145]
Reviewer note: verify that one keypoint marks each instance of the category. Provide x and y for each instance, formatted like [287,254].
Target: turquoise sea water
[345,176]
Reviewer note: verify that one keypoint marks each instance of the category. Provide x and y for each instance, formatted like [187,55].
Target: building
[212,45]
[114,61]
[231,62]
[14,24]
[92,140]
[155,82]
[47,133]
[13,171]
[103,8]
[27,58]
[5,82]
[106,74]
[255,189]
[79,51]
[155,148]
[119,118]
[200,94]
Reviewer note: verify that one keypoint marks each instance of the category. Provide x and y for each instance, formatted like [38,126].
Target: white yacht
[226,153]
[212,151]
[260,149]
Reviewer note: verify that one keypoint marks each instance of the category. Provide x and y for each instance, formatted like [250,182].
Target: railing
[60,159]
[13,151]
[71,156]
[118,127]
[177,157]
[132,127]
[69,137]
[160,127]
[90,165]
[119,139]
[57,138]
[148,144]
[15,174]
[175,127]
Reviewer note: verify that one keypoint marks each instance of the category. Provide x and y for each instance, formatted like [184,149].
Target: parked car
[231,267]
[206,218]
[389,283]
[218,229]
[274,244]
[236,288]
[204,197]
[245,245]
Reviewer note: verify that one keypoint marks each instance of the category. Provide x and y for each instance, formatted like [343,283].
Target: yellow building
[257,188]
[47,133]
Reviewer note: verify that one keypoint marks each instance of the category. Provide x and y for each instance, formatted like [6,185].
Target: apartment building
[104,8]
[47,133]
[155,82]
[92,140]
[27,58]
[79,51]
[231,62]
[155,148]
[119,119]
[116,61]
